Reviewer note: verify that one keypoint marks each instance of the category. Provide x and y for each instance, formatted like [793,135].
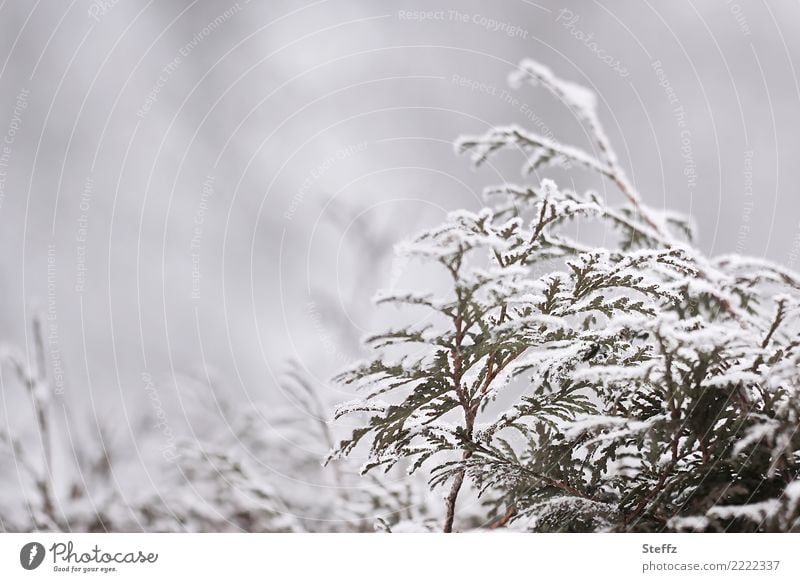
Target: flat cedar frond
[640,386]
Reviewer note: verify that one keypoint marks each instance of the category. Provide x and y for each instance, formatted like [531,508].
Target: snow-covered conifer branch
[577,387]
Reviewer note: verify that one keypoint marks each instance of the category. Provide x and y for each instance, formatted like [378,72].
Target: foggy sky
[205,190]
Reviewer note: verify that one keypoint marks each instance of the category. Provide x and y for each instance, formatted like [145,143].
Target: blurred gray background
[200,192]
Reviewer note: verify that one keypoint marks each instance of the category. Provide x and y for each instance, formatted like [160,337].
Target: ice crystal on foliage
[655,388]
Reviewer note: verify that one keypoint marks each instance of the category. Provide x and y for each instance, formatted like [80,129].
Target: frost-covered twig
[637,368]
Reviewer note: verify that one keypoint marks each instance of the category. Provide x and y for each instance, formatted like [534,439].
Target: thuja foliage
[654,388]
